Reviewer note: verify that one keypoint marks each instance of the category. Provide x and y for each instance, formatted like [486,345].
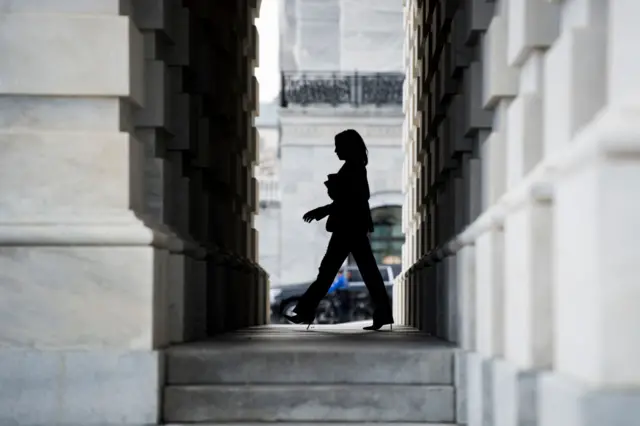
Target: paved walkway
[349,336]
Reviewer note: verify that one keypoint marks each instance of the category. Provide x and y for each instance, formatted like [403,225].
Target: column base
[94,387]
[195,299]
[461,379]
[83,307]
[474,389]
[186,286]
[493,392]
[514,394]
[563,401]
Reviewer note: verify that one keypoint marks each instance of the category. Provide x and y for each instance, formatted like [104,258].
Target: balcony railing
[269,191]
[337,88]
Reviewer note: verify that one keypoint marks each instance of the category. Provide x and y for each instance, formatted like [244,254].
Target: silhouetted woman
[350,223]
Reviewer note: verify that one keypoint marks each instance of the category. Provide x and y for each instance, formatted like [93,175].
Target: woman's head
[350,147]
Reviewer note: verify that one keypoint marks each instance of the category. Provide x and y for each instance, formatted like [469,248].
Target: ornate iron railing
[336,88]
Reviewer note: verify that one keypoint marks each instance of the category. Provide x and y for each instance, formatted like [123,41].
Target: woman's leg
[337,251]
[363,255]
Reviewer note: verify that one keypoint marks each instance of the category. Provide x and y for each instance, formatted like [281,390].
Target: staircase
[329,374]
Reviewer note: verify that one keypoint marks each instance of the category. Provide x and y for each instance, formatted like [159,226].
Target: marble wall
[126,199]
[538,286]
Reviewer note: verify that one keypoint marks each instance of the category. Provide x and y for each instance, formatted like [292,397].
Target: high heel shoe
[379,321]
[376,326]
[300,319]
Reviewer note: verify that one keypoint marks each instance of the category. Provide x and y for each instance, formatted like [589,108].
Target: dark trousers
[340,245]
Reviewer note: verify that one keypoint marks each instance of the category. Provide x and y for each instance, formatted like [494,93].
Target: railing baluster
[335,88]
[356,89]
[283,84]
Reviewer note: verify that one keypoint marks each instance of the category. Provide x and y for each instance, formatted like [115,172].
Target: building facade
[269,191]
[342,68]
[521,147]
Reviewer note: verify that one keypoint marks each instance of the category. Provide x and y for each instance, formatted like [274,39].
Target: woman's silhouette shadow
[350,223]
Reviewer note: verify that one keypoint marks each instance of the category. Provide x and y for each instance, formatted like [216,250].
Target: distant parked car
[283,299]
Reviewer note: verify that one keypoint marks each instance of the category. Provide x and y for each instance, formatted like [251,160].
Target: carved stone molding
[297,133]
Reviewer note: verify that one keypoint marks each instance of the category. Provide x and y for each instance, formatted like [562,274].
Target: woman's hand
[315,214]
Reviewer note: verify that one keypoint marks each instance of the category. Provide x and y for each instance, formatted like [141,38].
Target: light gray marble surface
[97,387]
[77,297]
[566,402]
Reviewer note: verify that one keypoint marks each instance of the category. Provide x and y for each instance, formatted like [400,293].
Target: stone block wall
[536,289]
[81,269]
[446,128]
[127,197]
[219,157]
[201,150]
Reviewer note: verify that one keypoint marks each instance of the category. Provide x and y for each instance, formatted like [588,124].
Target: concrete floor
[349,336]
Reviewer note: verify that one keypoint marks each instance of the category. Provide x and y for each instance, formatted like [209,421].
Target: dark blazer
[349,190]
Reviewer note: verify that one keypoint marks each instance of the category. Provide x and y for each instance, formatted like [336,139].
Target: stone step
[193,366]
[309,403]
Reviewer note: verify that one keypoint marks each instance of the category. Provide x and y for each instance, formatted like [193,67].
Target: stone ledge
[339,112]
[311,131]
[132,232]
[535,187]
[613,135]
[80,7]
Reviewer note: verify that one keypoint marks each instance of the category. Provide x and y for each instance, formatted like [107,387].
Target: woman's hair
[352,144]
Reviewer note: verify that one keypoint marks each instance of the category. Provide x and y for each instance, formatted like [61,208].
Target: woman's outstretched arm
[325,210]
[318,213]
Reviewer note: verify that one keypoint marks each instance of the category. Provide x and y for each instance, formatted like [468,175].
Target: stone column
[174,35]
[531,27]
[80,273]
[237,285]
[407,282]
[596,343]
[467,365]
[500,85]
[449,122]
[259,292]
[164,26]
[216,111]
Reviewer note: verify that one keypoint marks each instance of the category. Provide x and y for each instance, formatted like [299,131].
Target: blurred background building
[341,65]
[267,173]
